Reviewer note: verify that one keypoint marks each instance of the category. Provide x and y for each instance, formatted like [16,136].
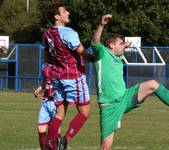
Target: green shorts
[112,113]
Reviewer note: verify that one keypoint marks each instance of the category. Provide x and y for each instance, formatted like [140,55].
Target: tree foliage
[17,23]
[145,18]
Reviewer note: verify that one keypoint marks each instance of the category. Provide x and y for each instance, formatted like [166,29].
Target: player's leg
[55,124]
[77,93]
[42,126]
[43,139]
[46,113]
[106,143]
[147,88]
[110,115]
[152,86]
[78,121]
[75,125]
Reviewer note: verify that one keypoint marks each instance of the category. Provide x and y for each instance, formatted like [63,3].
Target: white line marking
[91,148]
[160,110]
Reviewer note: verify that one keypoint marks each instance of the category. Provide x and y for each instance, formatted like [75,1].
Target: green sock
[163,94]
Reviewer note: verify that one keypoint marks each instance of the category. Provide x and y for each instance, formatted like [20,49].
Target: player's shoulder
[47,31]
[67,30]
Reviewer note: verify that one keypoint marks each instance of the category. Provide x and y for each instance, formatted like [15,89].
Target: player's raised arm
[99,30]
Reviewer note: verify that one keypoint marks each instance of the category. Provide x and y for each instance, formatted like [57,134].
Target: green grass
[146,128]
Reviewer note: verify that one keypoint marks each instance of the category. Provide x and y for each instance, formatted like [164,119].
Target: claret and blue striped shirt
[62,42]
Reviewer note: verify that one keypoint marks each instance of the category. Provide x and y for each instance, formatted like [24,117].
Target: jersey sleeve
[71,39]
[98,50]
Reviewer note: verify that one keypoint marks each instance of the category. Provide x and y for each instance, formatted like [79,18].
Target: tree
[145,18]
[16,23]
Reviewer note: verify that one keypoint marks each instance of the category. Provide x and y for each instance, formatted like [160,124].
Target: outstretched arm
[99,30]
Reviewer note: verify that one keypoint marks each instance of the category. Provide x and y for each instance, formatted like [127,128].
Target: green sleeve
[98,50]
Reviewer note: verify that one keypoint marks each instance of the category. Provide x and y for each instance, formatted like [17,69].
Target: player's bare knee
[85,110]
[153,85]
[86,113]
[60,115]
[42,128]
[60,112]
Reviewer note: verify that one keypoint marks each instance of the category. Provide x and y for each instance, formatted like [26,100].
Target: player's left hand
[37,91]
[3,48]
[105,19]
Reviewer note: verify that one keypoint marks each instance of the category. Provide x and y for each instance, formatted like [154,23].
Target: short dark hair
[53,10]
[112,38]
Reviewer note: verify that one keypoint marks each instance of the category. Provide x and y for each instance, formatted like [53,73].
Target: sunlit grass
[145,128]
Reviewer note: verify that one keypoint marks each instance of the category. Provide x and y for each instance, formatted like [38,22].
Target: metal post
[16,68]
[40,63]
[27,7]
[154,61]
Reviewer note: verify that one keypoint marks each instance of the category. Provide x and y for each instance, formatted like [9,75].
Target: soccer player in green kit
[113,97]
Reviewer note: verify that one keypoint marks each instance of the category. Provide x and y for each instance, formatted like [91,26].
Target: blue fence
[20,68]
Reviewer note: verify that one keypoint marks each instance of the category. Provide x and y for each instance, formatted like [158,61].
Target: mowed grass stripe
[144,128]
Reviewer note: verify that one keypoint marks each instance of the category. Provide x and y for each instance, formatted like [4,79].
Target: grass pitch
[146,128]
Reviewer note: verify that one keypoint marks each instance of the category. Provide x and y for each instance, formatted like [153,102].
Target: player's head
[116,44]
[57,14]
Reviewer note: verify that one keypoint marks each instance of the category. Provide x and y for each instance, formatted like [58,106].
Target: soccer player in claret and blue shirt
[65,53]
[113,97]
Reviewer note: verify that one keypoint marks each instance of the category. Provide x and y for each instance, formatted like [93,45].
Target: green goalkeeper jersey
[108,74]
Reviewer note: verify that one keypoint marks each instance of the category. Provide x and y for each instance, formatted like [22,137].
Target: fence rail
[20,68]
